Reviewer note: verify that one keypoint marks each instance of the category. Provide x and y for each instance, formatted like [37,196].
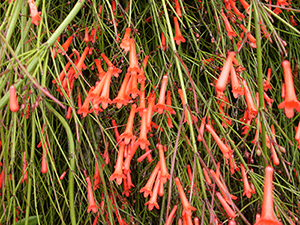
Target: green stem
[65,23]
[30,168]
[72,161]
[12,163]
[260,79]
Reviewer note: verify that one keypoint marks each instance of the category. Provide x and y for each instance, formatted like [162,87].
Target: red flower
[267,212]
[35,15]
[104,97]
[118,174]
[250,103]
[235,84]
[100,69]
[290,101]
[65,45]
[187,208]
[178,36]
[160,106]
[151,103]
[171,216]
[247,188]
[141,75]
[178,9]
[224,149]
[228,27]
[125,43]
[92,204]
[13,100]
[143,140]
[153,199]
[163,42]
[122,98]
[227,208]
[142,102]
[127,135]
[163,167]
[147,189]
[25,171]
[223,78]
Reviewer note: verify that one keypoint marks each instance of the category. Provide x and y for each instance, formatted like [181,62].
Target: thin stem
[260,77]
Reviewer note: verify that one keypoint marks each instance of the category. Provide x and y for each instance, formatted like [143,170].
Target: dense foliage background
[57,136]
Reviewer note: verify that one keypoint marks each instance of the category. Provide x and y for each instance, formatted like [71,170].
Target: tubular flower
[163,167]
[44,167]
[160,106]
[104,98]
[125,43]
[143,140]
[163,42]
[35,15]
[178,9]
[153,199]
[226,207]
[171,215]
[147,189]
[116,71]
[178,36]
[267,84]
[222,187]
[187,208]
[250,103]
[267,212]
[142,102]
[247,188]
[133,62]
[235,84]
[122,98]
[97,176]
[207,178]
[224,149]
[65,45]
[133,70]
[25,171]
[169,103]
[127,135]
[273,151]
[290,101]
[141,75]
[223,78]
[92,204]
[249,36]
[228,27]
[236,10]
[131,151]
[99,68]
[151,103]
[118,174]
[245,5]
[13,100]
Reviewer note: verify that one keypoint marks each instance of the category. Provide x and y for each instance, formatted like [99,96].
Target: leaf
[32,220]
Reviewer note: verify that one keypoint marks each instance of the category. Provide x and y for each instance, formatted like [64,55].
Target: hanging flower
[267,212]
[118,174]
[13,99]
[178,36]
[92,204]
[35,15]
[290,102]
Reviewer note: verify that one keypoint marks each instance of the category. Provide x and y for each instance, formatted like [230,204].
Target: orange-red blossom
[267,212]
[290,101]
